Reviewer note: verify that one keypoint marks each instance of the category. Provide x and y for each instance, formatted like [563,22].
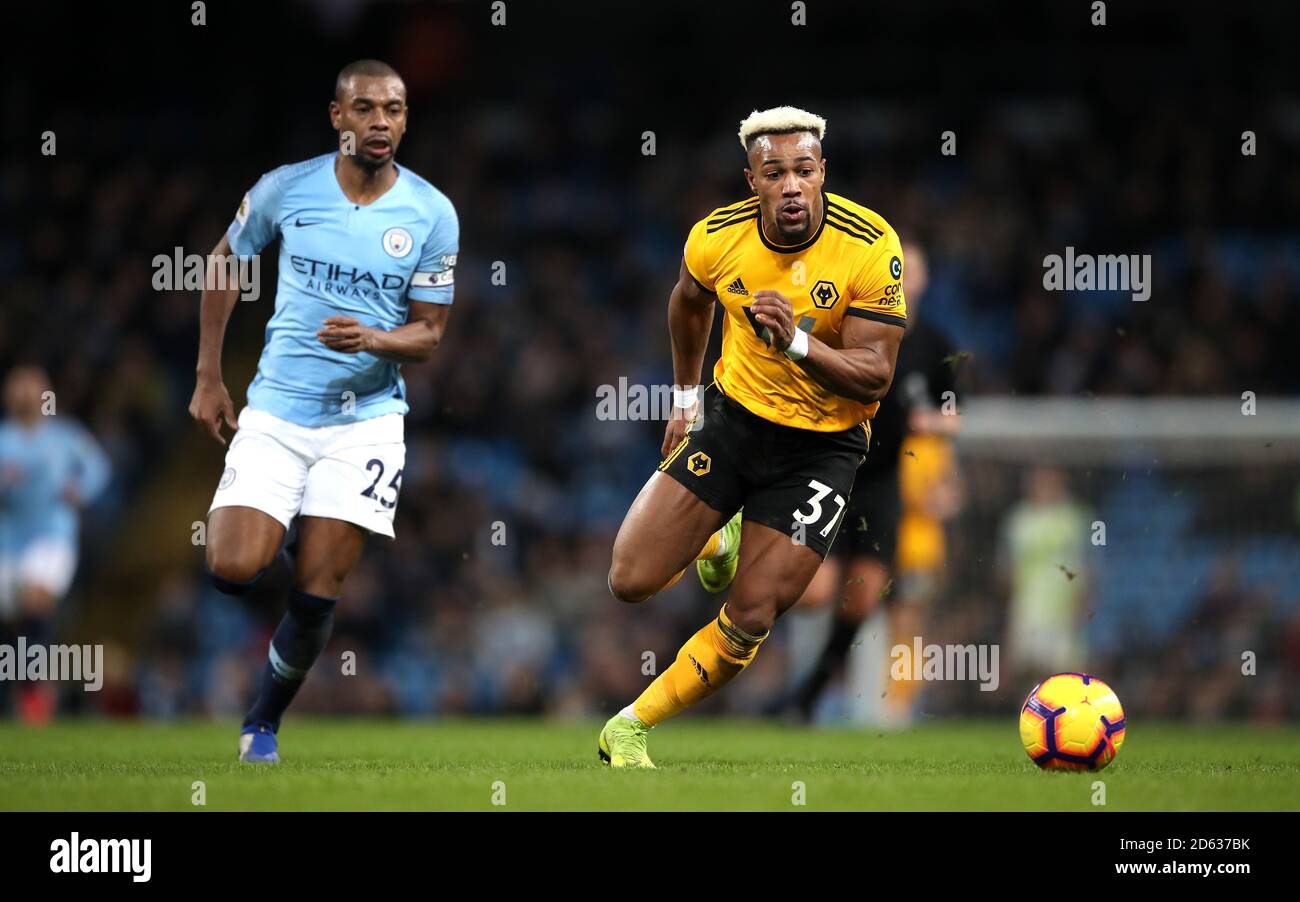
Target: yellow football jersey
[851,266]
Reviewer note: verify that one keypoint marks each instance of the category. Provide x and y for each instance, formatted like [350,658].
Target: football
[1072,721]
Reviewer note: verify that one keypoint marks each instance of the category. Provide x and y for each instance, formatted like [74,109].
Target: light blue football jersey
[37,466]
[338,258]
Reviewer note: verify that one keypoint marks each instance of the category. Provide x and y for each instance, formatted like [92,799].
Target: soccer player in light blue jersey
[50,466]
[367,252]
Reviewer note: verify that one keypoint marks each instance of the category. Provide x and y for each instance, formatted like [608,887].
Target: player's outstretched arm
[410,343]
[862,370]
[211,405]
[690,320]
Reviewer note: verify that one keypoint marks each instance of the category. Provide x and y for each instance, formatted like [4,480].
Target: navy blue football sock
[235,586]
[300,637]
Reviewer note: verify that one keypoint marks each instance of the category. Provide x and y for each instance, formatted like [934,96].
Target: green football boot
[717,573]
[622,743]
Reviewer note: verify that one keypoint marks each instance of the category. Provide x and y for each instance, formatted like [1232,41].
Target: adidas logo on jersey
[738,287]
[699,670]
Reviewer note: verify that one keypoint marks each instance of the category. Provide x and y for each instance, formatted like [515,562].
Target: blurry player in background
[856,576]
[813,317]
[932,493]
[367,251]
[50,467]
[1043,556]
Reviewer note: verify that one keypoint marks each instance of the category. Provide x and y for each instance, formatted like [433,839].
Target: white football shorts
[350,472]
[48,563]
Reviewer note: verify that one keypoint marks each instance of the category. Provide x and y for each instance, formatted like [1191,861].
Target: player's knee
[233,573]
[625,586]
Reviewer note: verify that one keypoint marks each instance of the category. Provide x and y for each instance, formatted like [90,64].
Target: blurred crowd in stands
[550,180]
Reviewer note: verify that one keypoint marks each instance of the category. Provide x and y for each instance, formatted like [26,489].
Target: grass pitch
[703,765]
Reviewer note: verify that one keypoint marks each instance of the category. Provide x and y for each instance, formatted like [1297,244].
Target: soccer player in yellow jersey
[810,283]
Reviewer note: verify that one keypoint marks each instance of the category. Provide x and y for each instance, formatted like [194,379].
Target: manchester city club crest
[398,242]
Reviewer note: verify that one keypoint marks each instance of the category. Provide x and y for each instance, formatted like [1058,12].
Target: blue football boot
[257,744]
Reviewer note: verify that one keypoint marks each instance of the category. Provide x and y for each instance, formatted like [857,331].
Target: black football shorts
[871,525]
[795,481]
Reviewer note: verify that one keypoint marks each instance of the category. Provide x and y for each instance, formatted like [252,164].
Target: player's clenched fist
[211,406]
[773,309]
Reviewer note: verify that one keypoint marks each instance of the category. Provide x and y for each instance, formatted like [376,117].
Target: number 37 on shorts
[812,513]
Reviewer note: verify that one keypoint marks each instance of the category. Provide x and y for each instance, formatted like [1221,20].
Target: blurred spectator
[1043,543]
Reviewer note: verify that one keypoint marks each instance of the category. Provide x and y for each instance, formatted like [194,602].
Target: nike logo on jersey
[311,222]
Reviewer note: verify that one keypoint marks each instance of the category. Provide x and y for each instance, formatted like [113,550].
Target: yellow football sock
[706,663]
[710,549]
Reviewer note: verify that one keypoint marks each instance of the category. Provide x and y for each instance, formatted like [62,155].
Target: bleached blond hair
[780,120]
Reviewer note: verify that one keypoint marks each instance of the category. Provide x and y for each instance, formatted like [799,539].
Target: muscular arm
[864,368]
[690,320]
[410,343]
[215,306]
[861,370]
[211,405]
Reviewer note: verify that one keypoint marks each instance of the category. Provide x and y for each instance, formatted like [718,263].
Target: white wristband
[685,397]
[798,349]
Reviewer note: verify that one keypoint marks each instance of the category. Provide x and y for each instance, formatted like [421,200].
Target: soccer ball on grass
[1072,721]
